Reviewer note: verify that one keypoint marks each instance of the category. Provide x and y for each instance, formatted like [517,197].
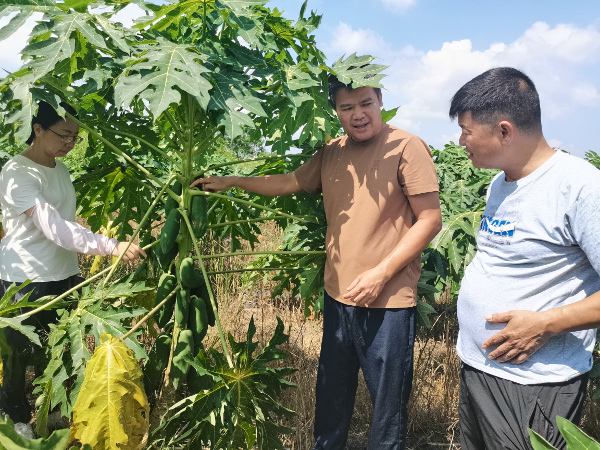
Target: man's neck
[527,157]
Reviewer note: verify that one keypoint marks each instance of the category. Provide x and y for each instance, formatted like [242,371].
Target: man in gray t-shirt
[529,302]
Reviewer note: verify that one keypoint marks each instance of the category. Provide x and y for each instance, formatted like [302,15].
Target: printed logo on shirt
[497,227]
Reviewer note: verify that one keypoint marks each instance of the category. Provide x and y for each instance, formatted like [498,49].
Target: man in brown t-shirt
[380,194]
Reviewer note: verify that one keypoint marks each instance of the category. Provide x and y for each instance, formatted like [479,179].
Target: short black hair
[336,85]
[47,116]
[500,93]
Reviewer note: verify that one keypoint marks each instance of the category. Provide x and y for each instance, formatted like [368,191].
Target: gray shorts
[495,413]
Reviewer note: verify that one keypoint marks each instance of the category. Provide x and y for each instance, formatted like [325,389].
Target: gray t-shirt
[538,247]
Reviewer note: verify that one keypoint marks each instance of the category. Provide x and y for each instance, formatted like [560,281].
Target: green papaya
[198,319]
[181,308]
[141,272]
[185,347]
[203,292]
[171,202]
[157,361]
[166,284]
[189,277]
[170,231]
[198,213]
[165,259]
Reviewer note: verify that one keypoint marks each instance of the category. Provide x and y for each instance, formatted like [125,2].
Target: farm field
[212,341]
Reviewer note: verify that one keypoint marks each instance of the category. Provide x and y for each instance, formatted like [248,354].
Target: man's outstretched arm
[271,185]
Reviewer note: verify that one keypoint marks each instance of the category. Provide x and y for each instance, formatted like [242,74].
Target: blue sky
[434,46]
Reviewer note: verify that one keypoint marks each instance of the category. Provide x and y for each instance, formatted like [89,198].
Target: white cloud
[555,143]
[586,94]
[128,15]
[347,40]
[399,5]
[563,62]
[10,58]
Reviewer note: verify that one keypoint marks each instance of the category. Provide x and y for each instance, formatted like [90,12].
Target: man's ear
[507,131]
[380,97]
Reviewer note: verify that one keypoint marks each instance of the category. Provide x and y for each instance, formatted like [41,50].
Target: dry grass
[433,416]
[433,408]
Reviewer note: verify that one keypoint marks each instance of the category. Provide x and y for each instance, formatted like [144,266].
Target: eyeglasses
[67,139]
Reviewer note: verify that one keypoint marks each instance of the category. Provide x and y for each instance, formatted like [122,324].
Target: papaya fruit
[166,284]
[158,357]
[198,319]
[184,347]
[171,202]
[141,272]
[198,214]
[181,308]
[165,259]
[170,231]
[203,292]
[189,276]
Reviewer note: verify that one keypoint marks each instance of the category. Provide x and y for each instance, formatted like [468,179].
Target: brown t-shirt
[365,187]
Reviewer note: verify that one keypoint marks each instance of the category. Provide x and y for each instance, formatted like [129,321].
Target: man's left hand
[524,334]
[366,287]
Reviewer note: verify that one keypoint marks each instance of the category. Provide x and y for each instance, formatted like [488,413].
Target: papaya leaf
[538,442]
[424,310]
[166,69]
[43,405]
[359,71]
[240,408]
[112,410]
[94,316]
[574,437]
[16,324]
[11,440]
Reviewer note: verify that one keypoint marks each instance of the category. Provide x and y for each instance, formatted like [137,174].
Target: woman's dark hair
[336,85]
[500,93]
[47,116]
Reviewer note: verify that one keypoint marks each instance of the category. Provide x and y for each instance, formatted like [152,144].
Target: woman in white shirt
[42,238]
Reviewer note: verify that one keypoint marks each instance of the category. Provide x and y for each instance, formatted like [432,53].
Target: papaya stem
[150,313]
[73,289]
[263,269]
[143,141]
[249,203]
[139,227]
[235,222]
[210,291]
[276,252]
[116,149]
[173,124]
[241,161]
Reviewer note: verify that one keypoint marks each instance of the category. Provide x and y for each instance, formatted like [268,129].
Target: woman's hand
[133,252]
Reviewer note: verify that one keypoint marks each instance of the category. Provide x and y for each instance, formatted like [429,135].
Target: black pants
[20,349]
[495,413]
[380,341]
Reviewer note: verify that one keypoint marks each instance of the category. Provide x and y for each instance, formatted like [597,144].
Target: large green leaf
[538,442]
[17,324]
[11,440]
[358,71]
[242,404]
[574,437]
[166,69]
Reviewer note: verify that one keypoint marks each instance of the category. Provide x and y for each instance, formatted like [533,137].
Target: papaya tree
[153,100]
